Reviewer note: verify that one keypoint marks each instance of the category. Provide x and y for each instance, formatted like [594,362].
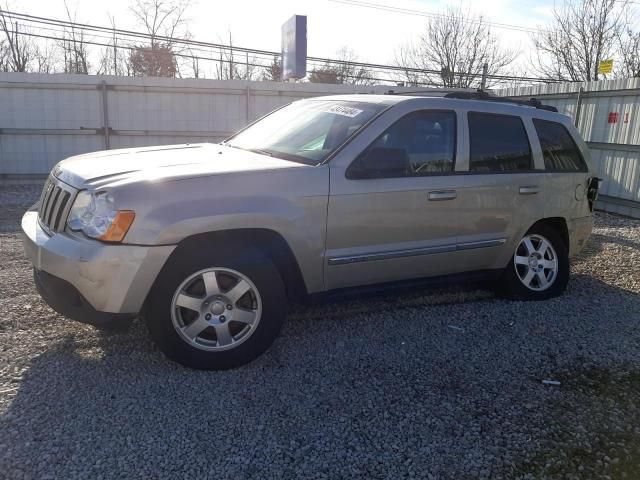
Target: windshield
[306,131]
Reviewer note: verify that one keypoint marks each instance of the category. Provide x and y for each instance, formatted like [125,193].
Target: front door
[392,211]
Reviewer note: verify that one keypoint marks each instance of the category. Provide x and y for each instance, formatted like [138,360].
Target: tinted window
[422,143]
[559,150]
[499,143]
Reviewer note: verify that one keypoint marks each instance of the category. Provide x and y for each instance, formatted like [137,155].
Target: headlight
[95,215]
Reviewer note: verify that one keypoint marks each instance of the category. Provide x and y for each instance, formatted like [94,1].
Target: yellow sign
[606,66]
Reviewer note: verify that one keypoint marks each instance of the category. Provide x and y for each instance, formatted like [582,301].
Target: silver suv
[210,243]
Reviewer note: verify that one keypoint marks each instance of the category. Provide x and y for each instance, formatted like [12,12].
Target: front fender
[292,203]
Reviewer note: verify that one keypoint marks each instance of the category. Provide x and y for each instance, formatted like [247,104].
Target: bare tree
[4,56]
[582,34]
[235,65]
[112,60]
[227,68]
[405,59]
[628,44]
[45,57]
[343,70]
[273,71]
[195,64]
[454,47]
[324,74]
[73,46]
[19,49]
[164,21]
[158,61]
[162,18]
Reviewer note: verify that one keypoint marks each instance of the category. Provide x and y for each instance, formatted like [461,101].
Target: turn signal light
[119,227]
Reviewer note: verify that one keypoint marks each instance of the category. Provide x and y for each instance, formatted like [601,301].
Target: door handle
[529,189]
[439,195]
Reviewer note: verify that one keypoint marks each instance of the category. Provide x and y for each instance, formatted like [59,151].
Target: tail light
[593,184]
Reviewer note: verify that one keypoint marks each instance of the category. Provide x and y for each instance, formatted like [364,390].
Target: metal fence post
[105,115]
[248,109]
[576,120]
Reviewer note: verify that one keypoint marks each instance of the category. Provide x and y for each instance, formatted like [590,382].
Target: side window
[558,148]
[420,143]
[498,143]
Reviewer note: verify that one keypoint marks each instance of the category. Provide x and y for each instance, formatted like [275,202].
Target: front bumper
[65,299]
[112,279]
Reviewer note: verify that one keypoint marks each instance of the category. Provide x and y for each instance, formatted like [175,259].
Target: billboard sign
[294,47]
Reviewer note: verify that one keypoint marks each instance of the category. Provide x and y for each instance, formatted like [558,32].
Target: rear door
[502,194]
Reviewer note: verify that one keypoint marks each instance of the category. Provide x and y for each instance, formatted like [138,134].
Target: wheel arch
[267,241]
[557,223]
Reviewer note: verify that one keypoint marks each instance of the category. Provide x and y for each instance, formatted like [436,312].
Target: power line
[196,57]
[422,13]
[132,36]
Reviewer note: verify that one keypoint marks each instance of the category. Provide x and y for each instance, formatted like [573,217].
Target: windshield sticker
[345,111]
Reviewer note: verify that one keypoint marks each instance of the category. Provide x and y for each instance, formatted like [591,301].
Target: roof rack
[482,95]
[430,91]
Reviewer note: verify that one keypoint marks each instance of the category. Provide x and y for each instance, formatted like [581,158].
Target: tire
[515,275]
[192,279]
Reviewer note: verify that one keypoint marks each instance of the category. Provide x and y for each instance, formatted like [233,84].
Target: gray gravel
[437,384]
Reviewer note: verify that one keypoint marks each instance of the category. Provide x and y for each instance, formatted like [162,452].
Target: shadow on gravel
[600,438]
[366,390]
[596,241]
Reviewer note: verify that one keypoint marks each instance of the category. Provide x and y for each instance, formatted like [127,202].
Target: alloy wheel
[536,262]
[216,309]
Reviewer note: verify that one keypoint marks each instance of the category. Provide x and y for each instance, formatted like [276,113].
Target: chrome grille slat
[46,198]
[49,212]
[55,204]
[61,208]
[56,208]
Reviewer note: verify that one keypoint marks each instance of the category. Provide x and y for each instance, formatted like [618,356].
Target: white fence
[45,118]
[607,115]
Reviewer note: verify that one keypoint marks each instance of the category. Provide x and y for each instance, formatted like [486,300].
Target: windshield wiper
[260,151]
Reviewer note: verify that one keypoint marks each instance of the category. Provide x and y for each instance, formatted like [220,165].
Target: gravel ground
[437,384]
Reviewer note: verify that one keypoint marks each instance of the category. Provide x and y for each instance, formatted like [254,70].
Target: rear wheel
[539,267]
[216,311]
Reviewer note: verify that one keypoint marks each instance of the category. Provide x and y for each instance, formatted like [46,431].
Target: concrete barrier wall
[45,118]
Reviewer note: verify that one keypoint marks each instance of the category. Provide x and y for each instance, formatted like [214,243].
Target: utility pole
[115,49]
[483,82]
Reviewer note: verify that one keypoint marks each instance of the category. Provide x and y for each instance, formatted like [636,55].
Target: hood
[169,162]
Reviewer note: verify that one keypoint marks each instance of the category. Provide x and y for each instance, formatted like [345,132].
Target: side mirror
[380,162]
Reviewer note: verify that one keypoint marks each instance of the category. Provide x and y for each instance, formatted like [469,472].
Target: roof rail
[482,95]
[430,91]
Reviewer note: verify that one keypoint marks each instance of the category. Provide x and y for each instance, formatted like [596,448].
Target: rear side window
[498,143]
[560,152]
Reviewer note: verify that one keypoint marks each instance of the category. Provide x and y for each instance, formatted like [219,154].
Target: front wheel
[539,267]
[215,312]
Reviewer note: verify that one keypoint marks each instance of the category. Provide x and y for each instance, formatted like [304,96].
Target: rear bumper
[579,232]
[113,279]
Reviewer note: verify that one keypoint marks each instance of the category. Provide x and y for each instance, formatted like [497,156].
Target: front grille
[55,203]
